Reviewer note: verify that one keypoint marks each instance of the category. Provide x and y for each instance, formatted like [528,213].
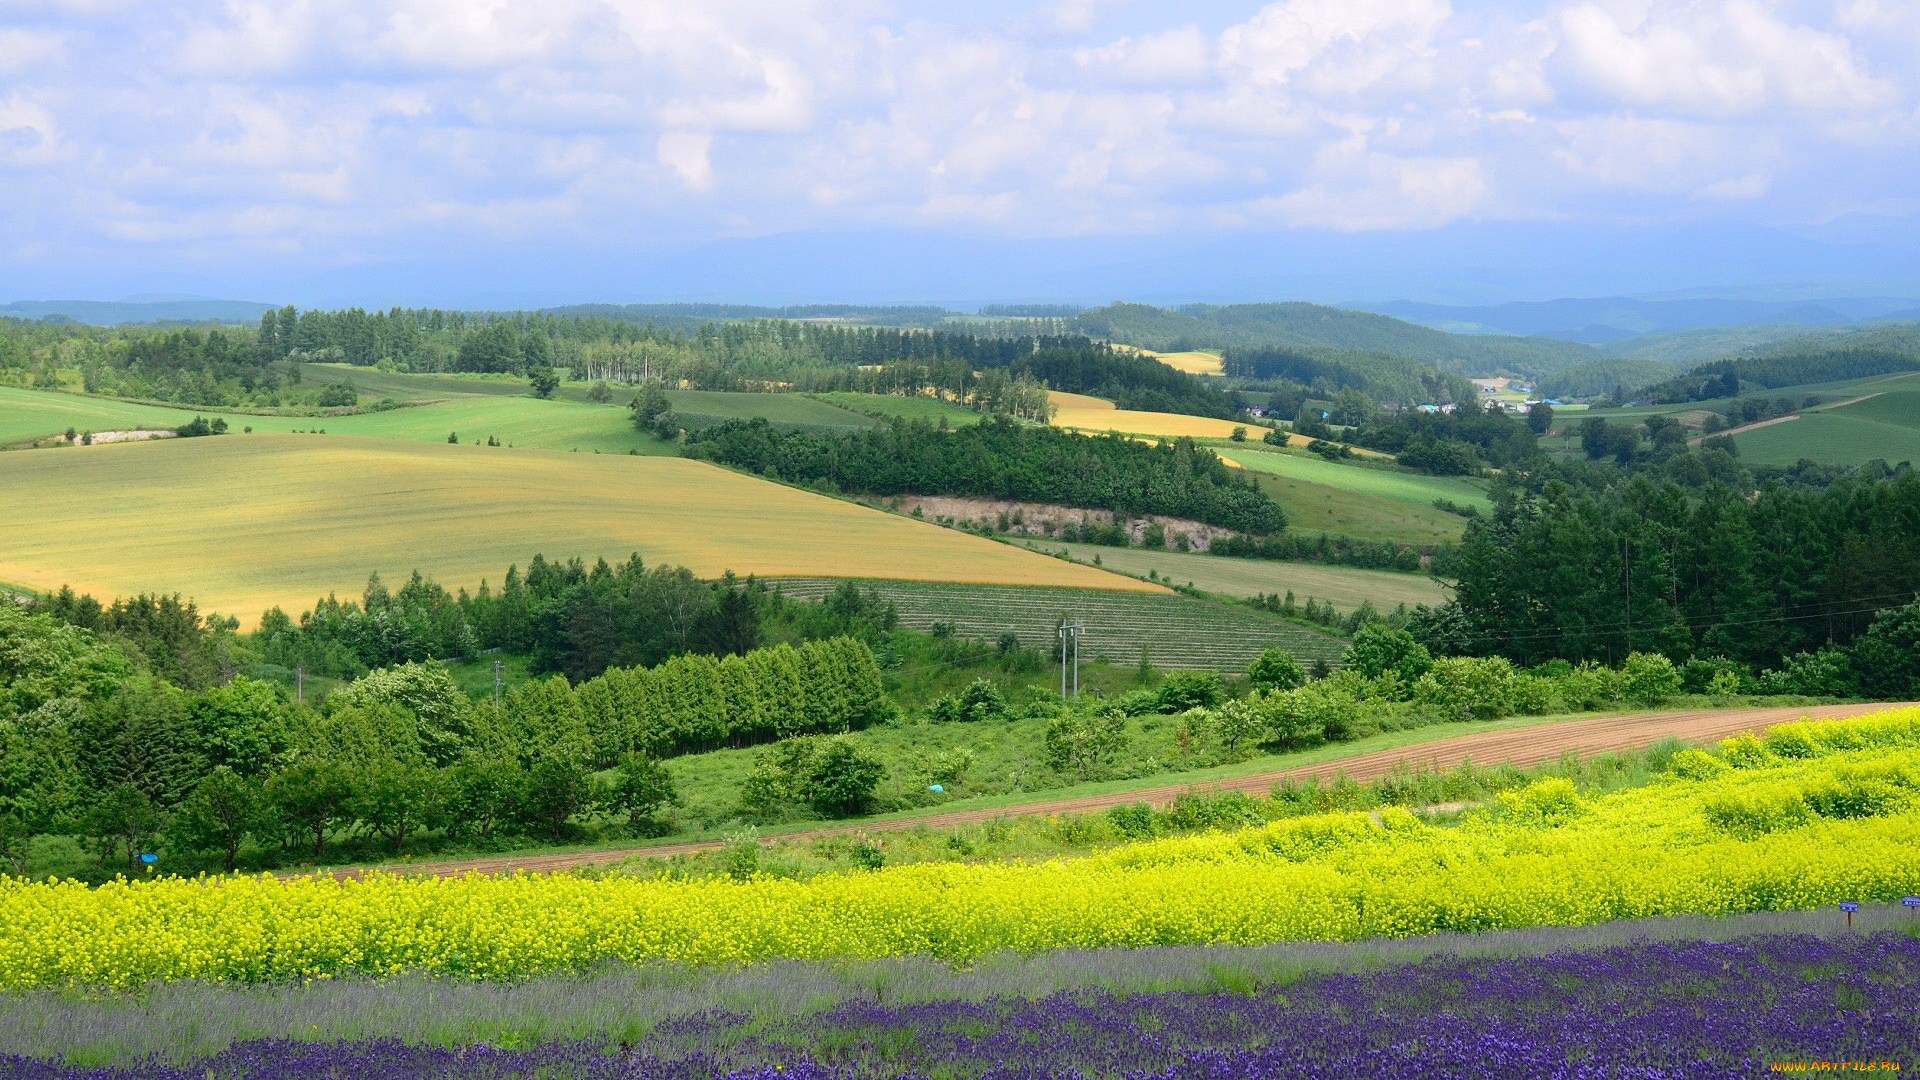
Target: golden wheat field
[1078,412]
[245,522]
[1192,363]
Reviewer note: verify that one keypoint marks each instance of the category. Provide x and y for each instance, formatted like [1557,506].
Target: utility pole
[1070,647]
[496,682]
[300,683]
[1626,562]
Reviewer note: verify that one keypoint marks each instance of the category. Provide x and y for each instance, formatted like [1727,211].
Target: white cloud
[1180,56]
[1347,45]
[687,154]
[351,124]
[29,135]
[1710,57]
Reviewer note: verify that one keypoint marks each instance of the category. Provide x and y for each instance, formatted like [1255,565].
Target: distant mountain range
[1609,319]
[136,310]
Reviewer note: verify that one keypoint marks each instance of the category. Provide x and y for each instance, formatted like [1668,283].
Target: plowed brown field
[1522,747]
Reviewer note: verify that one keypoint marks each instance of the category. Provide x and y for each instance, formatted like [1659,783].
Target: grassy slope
[1840,430]
[31,414]
[1347,588]
[1177,632]
[1886,426]
[292,517]
[911,408]
[1317,508]
[520,420]
[1411,488]
[794,409]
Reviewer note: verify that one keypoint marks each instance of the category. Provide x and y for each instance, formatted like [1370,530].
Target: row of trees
[570,618]
[1000,459]
[95,744]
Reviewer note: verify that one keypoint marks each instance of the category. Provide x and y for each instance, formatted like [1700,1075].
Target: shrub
[1648,678]
[1275,669]
[1135,821]
[1827,673]
[841,780]
[1467,687]
[1195,810]
[1698,674]
[1189,690]
[1378,649]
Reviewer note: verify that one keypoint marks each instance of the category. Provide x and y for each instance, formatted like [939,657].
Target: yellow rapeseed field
[1079,412]
[1691,843]
[241,523]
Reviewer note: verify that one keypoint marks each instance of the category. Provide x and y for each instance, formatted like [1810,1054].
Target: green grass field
[1317,508]
[700,408]
[522,421]
[1358,501]
[1885,426]
[911,408]
[1346,587]
[33,414]
[244,522]
[1411,488]
[1177,632]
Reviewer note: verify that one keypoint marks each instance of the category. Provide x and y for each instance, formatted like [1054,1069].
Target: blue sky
[533,151]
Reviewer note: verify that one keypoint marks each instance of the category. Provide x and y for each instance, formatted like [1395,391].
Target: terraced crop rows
[1178,631]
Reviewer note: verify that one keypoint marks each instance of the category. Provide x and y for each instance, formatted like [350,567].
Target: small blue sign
[1849,906]
[149,859]
[936,789]
[1910,901]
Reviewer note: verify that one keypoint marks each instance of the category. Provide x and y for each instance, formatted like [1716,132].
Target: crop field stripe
[241,523]
[1236,577]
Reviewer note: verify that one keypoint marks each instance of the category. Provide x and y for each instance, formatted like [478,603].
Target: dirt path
[1523,747]
[1758,424]
[1743,428]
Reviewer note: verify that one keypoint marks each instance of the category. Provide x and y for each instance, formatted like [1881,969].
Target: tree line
[1596,572]
[1001,459]
[95,744]
[567,617]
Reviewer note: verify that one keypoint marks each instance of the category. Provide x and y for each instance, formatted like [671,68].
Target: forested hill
[688,316]
[1381,376]
[1884,350]
[1311,326]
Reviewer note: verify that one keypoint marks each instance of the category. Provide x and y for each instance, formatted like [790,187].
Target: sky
[525,152]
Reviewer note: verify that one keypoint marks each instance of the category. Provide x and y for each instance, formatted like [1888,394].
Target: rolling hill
[1301,326]
[246,522]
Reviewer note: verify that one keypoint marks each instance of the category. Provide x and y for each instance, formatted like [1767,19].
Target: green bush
[1467,687]
[1648,678]
[1135,821]
[1275,669]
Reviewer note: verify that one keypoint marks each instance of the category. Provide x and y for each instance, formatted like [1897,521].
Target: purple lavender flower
[1642,1011]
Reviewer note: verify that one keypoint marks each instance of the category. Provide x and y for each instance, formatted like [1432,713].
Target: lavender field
[1695,1008]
